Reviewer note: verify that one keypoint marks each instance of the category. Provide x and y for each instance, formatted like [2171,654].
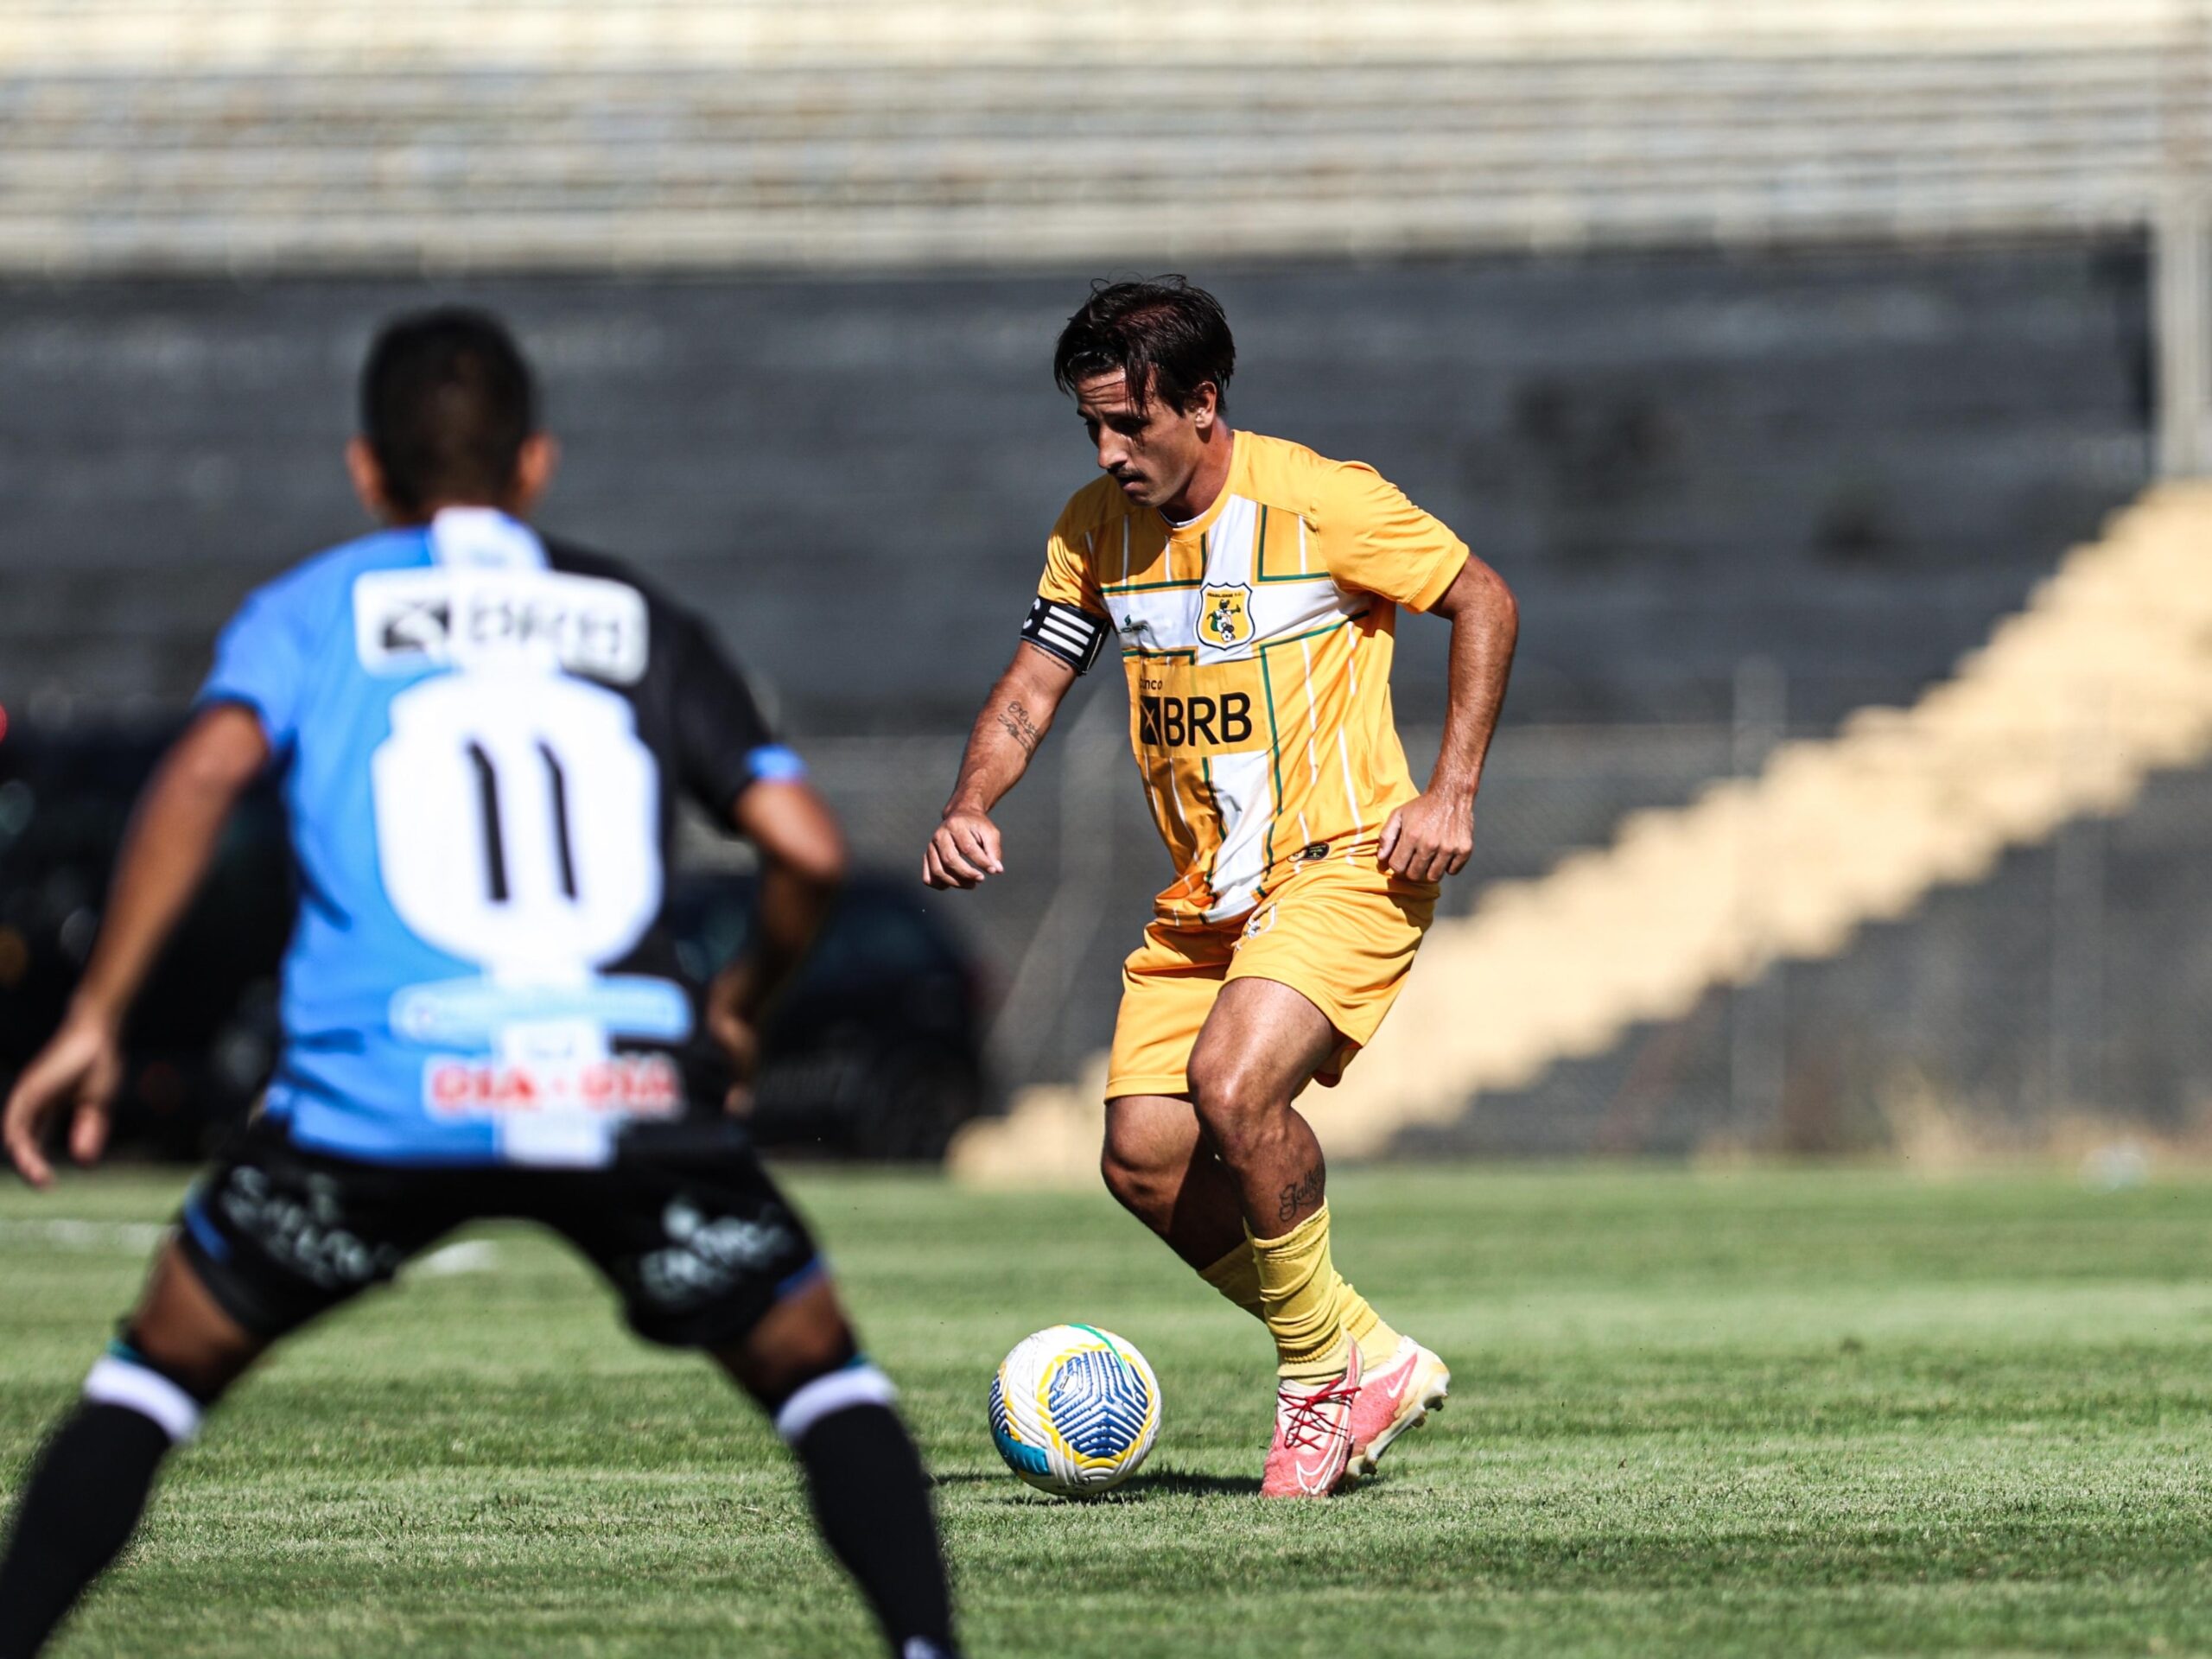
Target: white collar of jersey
[484,538]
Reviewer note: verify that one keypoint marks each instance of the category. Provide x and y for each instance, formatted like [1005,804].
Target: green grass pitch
[1802,1412]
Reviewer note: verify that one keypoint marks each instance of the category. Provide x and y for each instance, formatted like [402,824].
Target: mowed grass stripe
[1803,1411]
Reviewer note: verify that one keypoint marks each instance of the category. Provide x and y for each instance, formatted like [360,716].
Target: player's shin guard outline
[122,1377]
[858,1383]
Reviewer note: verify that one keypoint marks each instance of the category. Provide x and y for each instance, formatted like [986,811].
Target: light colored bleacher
[251,134]
[764,33]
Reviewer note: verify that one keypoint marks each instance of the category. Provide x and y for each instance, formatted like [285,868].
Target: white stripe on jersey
[1351,795]
[1166,619]
[1245,797]
[1175,799]
[1230,543]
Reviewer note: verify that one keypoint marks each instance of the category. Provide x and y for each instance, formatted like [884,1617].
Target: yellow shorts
[1341,933]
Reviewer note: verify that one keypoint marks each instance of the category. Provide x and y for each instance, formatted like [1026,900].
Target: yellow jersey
[1257,640]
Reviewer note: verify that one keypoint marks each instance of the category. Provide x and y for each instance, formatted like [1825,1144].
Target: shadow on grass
[1137,1488]
[1171,1483]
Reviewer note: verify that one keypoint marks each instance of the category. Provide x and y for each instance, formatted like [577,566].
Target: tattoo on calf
[1018,727]
[1301,1193]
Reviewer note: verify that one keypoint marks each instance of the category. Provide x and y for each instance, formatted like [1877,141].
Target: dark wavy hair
[1168,336]
[447,401]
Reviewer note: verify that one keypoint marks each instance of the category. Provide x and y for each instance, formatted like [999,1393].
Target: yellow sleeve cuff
[1446,573]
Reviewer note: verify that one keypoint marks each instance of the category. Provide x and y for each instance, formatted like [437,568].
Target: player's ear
[1205,406]
[538,459]
[367,473]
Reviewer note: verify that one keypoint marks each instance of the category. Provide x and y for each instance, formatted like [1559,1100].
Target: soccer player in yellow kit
[1253,588]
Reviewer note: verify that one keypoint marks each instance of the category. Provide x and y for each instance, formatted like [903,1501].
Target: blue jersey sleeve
[261,660]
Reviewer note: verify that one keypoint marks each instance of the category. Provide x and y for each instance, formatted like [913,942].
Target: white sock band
[856,1385]
[118,1382]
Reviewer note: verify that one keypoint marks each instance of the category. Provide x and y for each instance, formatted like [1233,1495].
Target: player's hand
[964,850]
[81,1069]
[736,1032]
[1428,838]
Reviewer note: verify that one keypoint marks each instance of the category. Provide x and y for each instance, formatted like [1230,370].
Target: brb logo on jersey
[1225,616]
[1211,722]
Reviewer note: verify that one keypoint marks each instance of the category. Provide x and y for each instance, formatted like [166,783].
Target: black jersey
[483,737]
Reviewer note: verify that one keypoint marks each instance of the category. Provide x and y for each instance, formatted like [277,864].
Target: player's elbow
[794,830]
[1481,593]
[1489,591]
[816,858]
[1505,617]
[822,865]
[219,755]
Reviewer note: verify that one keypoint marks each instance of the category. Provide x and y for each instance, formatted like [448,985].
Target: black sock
[872,1501]
[75,1514]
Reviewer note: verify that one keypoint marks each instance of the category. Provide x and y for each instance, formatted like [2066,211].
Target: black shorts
[684,1222]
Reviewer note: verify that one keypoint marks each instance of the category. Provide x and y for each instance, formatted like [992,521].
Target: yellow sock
[1305,1302]
[1237,1276]
[1378,1341]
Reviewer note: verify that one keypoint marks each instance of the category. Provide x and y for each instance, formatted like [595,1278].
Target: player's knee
[773,1379]
[1236,1106]
[804,1335]
[202,1363]
[1123,1181]
[1139,1184]
[1131,1157]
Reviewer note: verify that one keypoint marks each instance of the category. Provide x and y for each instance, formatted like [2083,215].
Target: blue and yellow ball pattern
[1074,1410]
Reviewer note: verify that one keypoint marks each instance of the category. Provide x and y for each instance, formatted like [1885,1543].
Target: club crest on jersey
[1225,615]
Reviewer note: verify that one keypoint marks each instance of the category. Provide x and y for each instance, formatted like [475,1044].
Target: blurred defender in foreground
[481,734]
[1253,588]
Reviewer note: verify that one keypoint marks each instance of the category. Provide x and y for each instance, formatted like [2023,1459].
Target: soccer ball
[1074,1410]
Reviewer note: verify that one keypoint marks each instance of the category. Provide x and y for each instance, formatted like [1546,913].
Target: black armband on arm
[1073,636]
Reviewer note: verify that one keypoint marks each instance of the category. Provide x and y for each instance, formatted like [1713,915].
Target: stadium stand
[1849,463]
[278,135]
[1683,438]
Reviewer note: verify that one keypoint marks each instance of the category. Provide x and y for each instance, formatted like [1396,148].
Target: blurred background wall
[1775,353]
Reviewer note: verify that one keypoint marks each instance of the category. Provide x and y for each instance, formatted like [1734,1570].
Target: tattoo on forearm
[1018,727]
[1305,1190]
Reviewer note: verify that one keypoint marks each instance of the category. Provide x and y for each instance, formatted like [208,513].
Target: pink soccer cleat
[1312,1439]
[1398,1397]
